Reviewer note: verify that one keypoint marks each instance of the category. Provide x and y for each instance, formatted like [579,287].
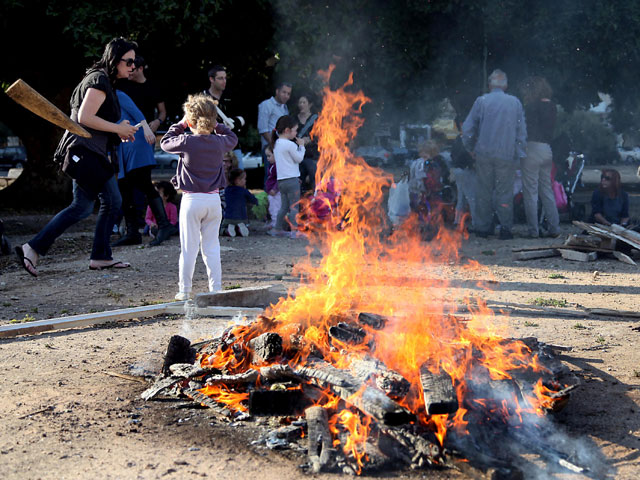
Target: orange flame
[397,276]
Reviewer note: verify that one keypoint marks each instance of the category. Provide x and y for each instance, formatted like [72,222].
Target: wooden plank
[439,394]
[320,440]
[532,255]
[578,256]
[624,258]
[84,320]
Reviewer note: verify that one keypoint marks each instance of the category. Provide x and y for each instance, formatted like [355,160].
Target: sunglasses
[605,177]
[128,61]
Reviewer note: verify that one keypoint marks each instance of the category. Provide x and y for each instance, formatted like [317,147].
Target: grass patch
[232,287]
[115,295]
[488,252]
[548,302]
[25,319]
[579,326]
[530,324]
[600,339]
[636,373]
[6,304]
[557,275]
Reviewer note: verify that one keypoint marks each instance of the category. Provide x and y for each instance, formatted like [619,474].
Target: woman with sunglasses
[94,105]
[609,203]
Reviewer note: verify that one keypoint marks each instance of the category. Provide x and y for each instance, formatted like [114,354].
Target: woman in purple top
[200,176]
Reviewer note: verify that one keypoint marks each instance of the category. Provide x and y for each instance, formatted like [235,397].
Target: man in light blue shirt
[496,134]
[269,111]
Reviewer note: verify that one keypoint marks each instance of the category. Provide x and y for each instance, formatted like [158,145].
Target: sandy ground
[64,415]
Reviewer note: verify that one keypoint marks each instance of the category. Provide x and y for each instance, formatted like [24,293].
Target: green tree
[179,40]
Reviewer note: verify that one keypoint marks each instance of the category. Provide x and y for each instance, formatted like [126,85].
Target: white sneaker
[182,296]
[231,230]
[244,231]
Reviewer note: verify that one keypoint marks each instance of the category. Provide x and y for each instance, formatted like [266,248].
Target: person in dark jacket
[95,106]
[236,197]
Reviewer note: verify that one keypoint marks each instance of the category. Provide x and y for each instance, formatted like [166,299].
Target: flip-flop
[22,258]
[110,265]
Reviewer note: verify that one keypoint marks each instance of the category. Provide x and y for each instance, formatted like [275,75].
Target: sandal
[110,265]
[30,267]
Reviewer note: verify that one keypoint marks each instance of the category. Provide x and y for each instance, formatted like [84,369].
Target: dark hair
[112,55]
[139,61]
[535,88]
[616,183]
[234,174]
[215,69]
[284,84]
[167,188]
[284,122]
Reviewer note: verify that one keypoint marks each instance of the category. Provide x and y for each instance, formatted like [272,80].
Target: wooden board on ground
[578,256]
[533,254]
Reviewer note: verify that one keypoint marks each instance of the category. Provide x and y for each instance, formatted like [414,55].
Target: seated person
[609,203]
[236,196]
[167,192]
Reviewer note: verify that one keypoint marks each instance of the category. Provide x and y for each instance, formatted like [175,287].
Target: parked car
[13,157]
[629,156]
[165,160]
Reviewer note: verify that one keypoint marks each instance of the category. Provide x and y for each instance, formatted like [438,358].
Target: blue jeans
[81,207]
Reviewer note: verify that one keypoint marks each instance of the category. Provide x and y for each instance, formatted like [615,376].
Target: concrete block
[254,297]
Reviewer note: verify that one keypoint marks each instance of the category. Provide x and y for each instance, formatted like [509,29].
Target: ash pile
[356,415]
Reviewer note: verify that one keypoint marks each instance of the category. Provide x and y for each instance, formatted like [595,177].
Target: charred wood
[266,347]
[377,322]
[179,350]
[219,409]
[250,376]
[320,442]
[390,382]
[277,373]
[347,333]
[369,400]
[439,395]
[420,452]
[277,402]
[159,386]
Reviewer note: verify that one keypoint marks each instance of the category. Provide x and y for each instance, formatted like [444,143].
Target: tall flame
[363,268]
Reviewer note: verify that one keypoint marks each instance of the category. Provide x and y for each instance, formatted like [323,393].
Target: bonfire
[381,364]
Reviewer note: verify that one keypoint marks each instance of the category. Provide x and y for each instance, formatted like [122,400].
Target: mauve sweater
[200,165]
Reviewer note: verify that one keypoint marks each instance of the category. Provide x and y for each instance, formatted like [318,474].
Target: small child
[200,176]
[236,196]
[288,152]
[271,187]
[167,194]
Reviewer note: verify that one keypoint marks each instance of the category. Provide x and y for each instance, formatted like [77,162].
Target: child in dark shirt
[236,196]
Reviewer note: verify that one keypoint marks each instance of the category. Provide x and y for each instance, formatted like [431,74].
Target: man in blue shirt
[496,134]
[269,111]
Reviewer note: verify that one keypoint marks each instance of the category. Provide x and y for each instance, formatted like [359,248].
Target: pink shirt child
[172,215]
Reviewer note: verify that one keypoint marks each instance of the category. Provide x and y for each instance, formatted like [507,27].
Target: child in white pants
[200,176]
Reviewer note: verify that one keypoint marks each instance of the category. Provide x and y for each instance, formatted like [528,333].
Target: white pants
[200,217]
[275,203]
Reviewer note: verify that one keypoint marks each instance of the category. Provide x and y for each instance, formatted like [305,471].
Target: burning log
[179,350]
[220,410]
[266,347]
[320,442]
[390,382]
[278,402]
[369,400]
[418,451]
[347,333]
[439,395]
[377,322]
[250,376]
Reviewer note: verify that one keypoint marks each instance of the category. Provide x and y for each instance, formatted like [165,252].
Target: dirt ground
[65,416]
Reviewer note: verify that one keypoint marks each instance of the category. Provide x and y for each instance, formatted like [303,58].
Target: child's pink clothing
[172,215]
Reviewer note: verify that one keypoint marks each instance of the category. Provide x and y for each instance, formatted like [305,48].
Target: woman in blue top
[136,162]
[609,203]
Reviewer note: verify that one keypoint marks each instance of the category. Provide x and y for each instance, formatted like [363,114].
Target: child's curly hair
[235,174]
[201,113]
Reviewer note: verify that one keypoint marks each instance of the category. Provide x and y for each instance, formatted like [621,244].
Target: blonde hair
[429,149]
[201,113]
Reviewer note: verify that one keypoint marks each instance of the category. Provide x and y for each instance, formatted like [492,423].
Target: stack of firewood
[594,242]
[268,379]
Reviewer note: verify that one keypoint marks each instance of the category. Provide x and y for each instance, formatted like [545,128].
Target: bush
[588,135]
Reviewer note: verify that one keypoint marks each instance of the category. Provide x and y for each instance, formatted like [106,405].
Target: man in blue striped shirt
[496,134]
